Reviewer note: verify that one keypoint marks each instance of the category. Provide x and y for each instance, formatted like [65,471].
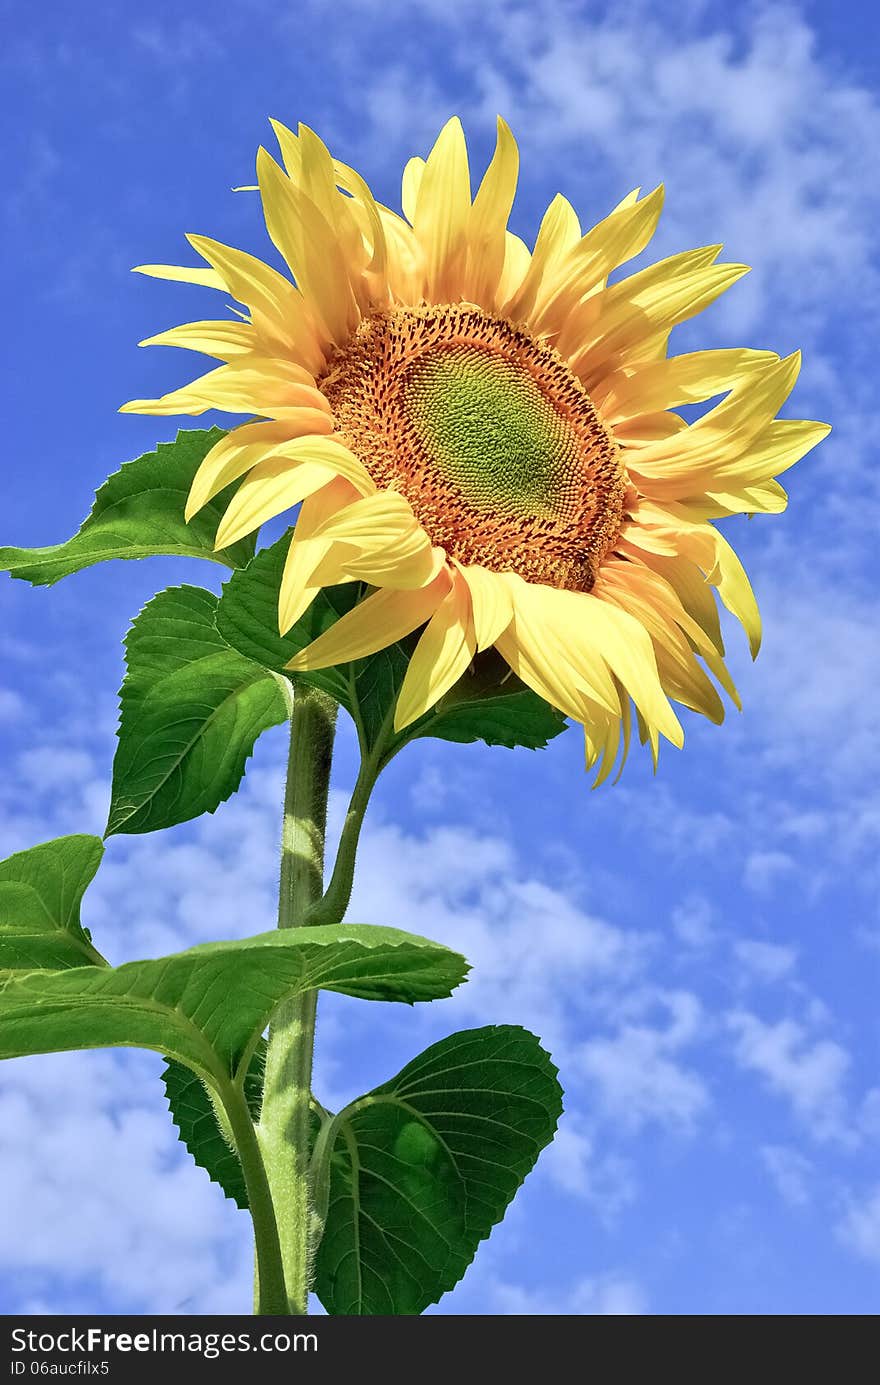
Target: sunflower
[486,436]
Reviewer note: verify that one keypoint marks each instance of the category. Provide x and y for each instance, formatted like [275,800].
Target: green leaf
[415,1174]
[41,890]
[247,617]
[489,703]
[191,709]
[207,1007]
[422,1168]
[138,513]
[195,1115]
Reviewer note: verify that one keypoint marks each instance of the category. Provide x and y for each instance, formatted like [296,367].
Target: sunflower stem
[285,1116]
[270,1296]
[332,906]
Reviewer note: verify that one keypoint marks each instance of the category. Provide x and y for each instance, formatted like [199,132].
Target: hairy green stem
[271,1293]
[331,908]
[285,1116]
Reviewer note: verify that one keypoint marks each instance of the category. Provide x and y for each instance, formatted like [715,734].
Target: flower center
[493,441]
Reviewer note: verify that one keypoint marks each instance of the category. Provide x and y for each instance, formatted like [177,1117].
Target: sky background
[700,950]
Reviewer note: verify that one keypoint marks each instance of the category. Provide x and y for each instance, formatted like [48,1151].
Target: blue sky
[701,950]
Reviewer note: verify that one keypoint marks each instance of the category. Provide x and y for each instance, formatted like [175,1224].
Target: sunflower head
[486,435]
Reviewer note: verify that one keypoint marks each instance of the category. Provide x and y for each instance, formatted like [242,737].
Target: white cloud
[96,1189]
[768,962]
[791,1172]
[859,1228]
[537,955]
[764,870]
[54,767]
[606,1296]
[811,707]
[576,1164]
[693,921]
[810,1073]
[636,1072]
[12,705]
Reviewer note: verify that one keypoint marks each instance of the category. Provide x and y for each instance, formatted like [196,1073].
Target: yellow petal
[407,564]
[299,584]
[487,225]
[235,454]
[332,453]
[705,546]
[291,151]
[351,180]
[221,339]
[380,541]
[558,627]
[646,428]
[577,677]
[441,656]
[375,623]
[318,183]
[784,442]
[626,646]
[442,211]
[651,589]
[720,670]
[405,259]
[735,590]
[618,238]
[693,591]
[305,240]
[517,258]
[248,385]
[689,379]
[680,674]
[273,486]
[375,521]
[559,230]
[412,181]
[654,307]
[723,433]
[621,303]
[277,308]
[768,498]
[491,602]
[184,274]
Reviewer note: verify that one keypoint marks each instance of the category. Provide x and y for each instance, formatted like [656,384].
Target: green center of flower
[492,434]
[494,442]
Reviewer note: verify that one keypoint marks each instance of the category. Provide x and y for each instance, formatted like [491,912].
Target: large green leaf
[422,1168]
[138,513]
[416,1173]
[191,709]
[489,703]
[41,890]
[207,1007]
